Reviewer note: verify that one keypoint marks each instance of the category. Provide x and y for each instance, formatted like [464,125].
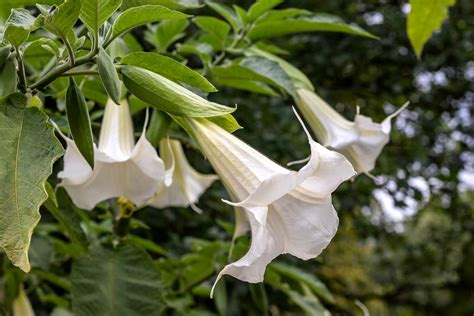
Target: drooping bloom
[187,184]
[122,168]
[361,141]
[287,211]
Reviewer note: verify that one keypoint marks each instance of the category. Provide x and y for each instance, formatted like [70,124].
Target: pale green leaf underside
[28,149]
[61,21]
[425,17]
[169,68]
[95,12]
[18,26]
[123,281]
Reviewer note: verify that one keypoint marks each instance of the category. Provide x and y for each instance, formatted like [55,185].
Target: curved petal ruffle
[187,184]
[137,178]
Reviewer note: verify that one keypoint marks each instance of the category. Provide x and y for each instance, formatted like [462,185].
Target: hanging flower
[187,185]
[122,168]
[361,141]
[287,211]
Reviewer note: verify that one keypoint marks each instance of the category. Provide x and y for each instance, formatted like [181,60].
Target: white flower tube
[187,184]
[361,141]
[122,168]
[287,211]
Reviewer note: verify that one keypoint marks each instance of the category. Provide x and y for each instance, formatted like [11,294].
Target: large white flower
[122,168]
[287,211]
[187,184]
[361,141]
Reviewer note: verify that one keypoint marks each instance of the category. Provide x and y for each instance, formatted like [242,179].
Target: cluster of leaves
[62,60]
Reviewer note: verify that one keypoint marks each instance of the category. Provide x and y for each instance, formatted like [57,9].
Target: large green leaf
[8,77]
[18,26]
[167,95]
[169,68]
[425,17]
[118,282]
[28,149]
[299,78]
[137,16]
[60,20]
[95,12]
[170,4]
[318,22]
[247,72]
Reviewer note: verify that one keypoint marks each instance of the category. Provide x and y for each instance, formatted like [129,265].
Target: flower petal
[187,184]
[137,179]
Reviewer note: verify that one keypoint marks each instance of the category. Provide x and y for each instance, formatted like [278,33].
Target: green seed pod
[79,121]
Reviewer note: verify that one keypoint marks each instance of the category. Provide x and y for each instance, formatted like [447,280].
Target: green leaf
[167,95]
[120,282]
[260,7]
[79,121]
[109,75]
[299,78]
[160,122]
[254,74]
[94,13]
[170,4]
[28,150]
[137,16]
[45,43]
[213,26]
[246,85]
[425,17]
[169,68]
[292,272]
[67,215]
[226,13]
[318,22]
[168,32]
[227,122]
[8,75]
[60,20]
[18,27]
[242,15]
[272,71]
[276,15]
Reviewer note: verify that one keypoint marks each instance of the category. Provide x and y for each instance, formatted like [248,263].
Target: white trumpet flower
[187,185]
[122,168]
[361,141]
[287,211]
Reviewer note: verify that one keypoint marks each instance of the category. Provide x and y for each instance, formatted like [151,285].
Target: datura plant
[79,77]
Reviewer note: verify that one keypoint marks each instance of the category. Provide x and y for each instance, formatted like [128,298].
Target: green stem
[80,73]
[21,71]
[70,51]
[59,70]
